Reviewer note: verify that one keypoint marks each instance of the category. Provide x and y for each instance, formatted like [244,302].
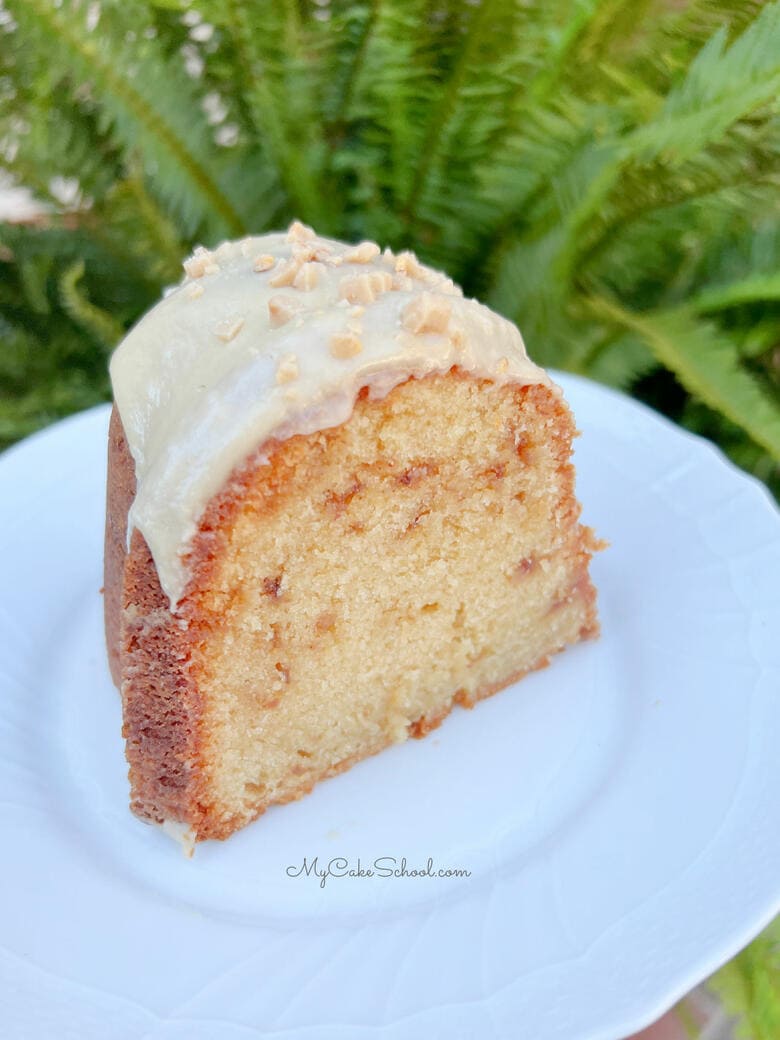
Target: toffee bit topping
[264,262]
[211,268]
[446,285]
[364,288]
[503,365]
[298,232]
[381,282]
[308,275]
[402,282]
[285,275]
[345,344]
[363,253]
[195,265]
[223,251]
[407,263]
[229,328]
[358,311]
[195,290]
[427,313]
[456,337]
[281,309]
[287,369]
[311,251]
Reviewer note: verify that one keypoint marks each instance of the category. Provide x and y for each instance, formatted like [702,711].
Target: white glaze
[205,378]
[182,834]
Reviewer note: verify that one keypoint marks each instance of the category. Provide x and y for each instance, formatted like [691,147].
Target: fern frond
[273,78]
[617,359]
[677,31]
[722,85]
[355,26]
[638,230]
[154,239]
[33,274]
[45,139]
[706,362]
[85,314]
[759,287]
[376,149]
[146,103]
[481,20]
[44,402]
[612,31]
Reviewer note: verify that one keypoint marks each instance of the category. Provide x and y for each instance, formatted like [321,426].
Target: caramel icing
[274,336]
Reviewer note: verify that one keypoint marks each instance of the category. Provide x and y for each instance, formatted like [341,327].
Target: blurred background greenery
[604,172]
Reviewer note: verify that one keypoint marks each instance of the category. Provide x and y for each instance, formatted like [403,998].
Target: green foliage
[704,362]
[750,987]
[604,172]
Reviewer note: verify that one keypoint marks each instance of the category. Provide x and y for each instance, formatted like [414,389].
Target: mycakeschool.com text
[381,867]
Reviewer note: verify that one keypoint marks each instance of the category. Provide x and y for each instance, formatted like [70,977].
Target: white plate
[619,812]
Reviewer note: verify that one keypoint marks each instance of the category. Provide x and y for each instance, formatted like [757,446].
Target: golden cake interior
[353,584]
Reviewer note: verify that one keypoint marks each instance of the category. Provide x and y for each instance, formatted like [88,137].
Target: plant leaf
[147,103]
[706,362]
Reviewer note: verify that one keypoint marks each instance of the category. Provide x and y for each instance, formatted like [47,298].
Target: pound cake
[340,501]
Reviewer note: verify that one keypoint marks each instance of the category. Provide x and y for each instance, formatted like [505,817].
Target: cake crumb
[326,622]
[427,313]
[228,329]
[281,309]
[363,253]
[298,232]
[345,344]
[195,290]
[308,275]
[287,369]
[264,262]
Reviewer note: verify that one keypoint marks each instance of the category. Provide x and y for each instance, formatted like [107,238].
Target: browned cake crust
[155,656]
[149,655]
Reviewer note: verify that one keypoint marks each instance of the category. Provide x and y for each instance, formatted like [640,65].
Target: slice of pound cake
[340,501]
